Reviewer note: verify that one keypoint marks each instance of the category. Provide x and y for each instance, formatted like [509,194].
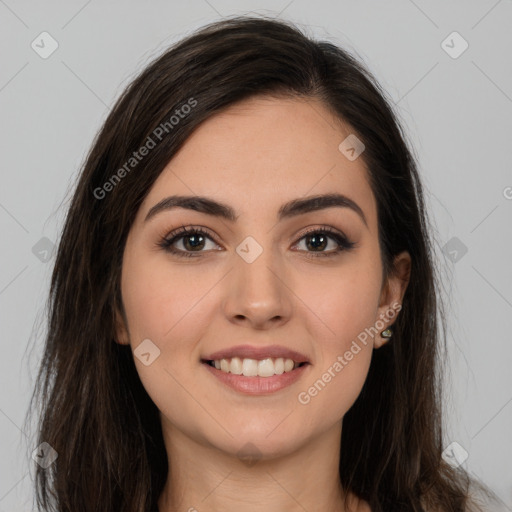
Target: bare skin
[254,157]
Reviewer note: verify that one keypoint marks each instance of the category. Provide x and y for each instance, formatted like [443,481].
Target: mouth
[256,377]
[247,367]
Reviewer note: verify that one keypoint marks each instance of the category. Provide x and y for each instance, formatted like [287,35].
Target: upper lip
[257,352]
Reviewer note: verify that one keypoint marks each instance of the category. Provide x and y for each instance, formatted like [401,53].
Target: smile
[255,368]
[255,377]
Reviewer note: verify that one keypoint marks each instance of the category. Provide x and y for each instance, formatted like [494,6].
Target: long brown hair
[94,410]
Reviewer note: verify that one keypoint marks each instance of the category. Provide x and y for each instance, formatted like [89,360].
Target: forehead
[262,152]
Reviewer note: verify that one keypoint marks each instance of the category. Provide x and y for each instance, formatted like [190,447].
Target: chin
[259,444]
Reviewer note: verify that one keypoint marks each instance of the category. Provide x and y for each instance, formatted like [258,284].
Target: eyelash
[167,241]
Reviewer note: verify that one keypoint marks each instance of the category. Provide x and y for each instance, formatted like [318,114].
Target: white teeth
[249,367]
[253,367]
[279,365]
[266,368]
[236,366]
[288,365]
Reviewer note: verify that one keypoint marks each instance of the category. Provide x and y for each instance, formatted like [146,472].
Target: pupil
[195,244]
[316,245]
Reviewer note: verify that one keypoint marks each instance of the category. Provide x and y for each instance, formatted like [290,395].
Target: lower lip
[257,385]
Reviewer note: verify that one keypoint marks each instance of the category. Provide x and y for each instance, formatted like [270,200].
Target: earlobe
[391,298]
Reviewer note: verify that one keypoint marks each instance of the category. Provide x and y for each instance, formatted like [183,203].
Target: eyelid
[323,228]
[182,231]
[343,242]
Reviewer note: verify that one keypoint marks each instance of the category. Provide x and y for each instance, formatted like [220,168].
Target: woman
[243,306]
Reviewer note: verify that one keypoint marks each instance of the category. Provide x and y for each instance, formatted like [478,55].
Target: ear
[392,294]
[122,336]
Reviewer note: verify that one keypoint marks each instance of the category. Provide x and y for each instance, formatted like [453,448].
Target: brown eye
[193,241]
[317,240]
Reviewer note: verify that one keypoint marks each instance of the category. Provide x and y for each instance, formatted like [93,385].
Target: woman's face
[257,281]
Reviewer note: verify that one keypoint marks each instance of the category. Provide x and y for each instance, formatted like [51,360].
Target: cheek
[171,307]
[346,306]
[345,302]
[336,382]
[158,297]
[161,304]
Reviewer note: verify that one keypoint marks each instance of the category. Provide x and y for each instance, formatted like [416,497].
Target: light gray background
[457,111]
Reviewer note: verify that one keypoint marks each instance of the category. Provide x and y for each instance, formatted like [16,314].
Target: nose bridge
[257,291]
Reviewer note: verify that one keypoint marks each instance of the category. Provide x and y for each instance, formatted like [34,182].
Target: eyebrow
[290,209]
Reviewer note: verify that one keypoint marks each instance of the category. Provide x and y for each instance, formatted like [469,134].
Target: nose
[257,294]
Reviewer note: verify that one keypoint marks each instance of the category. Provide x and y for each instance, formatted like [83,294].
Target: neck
[205,478]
